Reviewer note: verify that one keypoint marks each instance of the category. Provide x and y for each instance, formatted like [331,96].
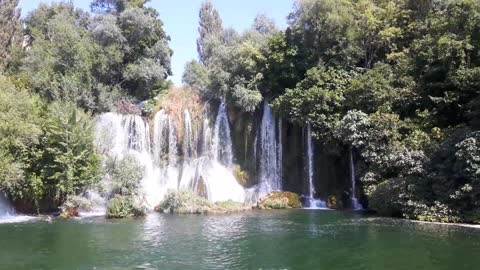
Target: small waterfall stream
[222,140]
[312,202]
[269,158]
[355,204]
[8,213]
[6,209]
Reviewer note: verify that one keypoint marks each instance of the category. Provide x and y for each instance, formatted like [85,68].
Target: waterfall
[269,168]
[222,141]
[187,136]
[313,203]
[138,133]
[160,138]
[355,204]
[206,137]
[216,182]
[172,143]
[270,156]
[120,135]
[207,176]
[8,213]
[280,152]
[6,209]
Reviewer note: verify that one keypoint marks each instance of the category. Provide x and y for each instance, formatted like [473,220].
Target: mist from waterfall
[355,204]
[312,202]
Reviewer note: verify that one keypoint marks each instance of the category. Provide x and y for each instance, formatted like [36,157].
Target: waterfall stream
[312,202]
[355,204]
[6,209]
[269,158]
[222,140]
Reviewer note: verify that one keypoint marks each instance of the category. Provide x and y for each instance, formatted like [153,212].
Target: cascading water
[120,135]
[269,158]
[187,136]
[280,152]
[160,138]
[222,141]
[312,202]
[355,204]
[6,209]
[8,213]
[205,174]
[188,169]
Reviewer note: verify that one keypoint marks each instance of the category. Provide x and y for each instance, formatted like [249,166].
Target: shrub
[184,202]
[125,206]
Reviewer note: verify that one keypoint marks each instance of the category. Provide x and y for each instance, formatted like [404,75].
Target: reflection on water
[297,239]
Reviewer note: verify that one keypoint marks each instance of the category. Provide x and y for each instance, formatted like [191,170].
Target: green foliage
[317,99]
[398,82]
[47,149]
[124,183]
[93,61]
[65,158]
[124,206]
[10,32]
[196,75]
[210,26]
[184,202]
[19,131]
[125,175]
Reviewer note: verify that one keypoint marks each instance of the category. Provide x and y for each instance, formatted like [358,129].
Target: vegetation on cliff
[396,81]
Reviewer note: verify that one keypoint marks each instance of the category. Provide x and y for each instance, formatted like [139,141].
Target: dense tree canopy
[73,64]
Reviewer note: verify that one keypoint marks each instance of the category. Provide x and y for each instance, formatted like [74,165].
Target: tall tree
[10,30]
[210,24]
[115,6]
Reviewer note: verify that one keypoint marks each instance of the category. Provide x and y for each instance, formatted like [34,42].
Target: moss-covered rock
[242,176]
[280,200]
[332,202]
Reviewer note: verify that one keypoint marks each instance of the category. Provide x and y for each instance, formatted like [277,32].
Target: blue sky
[181,21]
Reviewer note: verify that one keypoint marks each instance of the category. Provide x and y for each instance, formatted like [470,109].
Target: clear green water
[297,239]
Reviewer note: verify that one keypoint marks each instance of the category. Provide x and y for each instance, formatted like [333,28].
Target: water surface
[296,239]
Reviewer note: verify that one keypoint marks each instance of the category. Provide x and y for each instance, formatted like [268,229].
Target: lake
[284,239]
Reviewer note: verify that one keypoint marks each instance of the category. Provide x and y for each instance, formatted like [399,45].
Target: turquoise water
[294,239]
